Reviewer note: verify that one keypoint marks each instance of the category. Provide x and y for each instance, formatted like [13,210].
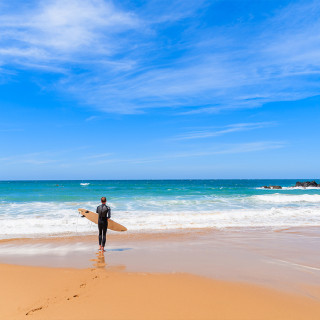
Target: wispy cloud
[91,118]
[56,32]
[211,76]
[66,158]
[238,127]
[234,149]
[96,156]
[210,151]
[43,157]
[30,158]
[126,60]
[11,130]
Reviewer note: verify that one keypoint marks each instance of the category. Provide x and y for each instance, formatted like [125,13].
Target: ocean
[49,208]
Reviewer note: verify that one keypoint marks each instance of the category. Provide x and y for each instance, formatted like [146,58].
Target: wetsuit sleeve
[97,211]
[109,213]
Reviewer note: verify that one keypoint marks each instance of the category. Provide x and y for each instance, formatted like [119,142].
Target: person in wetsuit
[104,213]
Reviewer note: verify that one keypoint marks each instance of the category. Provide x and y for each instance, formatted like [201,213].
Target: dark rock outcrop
[272,187]
[307,184]
[304,184]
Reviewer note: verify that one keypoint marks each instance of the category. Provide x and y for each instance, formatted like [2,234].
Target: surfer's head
[103,199]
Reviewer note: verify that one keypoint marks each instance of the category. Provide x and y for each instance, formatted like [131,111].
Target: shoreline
[206,252]
[168,232]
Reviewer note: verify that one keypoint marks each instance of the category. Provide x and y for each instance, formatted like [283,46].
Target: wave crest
[288,198]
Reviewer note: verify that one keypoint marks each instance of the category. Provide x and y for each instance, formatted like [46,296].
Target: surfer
[104,213]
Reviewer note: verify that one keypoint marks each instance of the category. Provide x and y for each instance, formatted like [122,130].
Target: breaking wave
[286,198]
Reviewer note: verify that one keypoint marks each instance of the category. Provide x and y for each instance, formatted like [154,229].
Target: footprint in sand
[33,310]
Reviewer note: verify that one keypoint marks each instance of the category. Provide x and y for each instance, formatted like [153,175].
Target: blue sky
[93,89]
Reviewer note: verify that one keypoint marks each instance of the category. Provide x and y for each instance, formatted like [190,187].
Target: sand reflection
[100,261]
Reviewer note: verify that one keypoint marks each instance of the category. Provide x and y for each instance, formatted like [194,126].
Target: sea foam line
[302,266]
[287,198]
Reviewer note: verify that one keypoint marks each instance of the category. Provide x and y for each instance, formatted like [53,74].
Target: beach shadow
[119,249]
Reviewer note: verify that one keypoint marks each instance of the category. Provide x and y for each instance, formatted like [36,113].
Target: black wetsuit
[104,214]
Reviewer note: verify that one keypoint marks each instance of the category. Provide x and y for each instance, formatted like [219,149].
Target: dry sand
[53,293]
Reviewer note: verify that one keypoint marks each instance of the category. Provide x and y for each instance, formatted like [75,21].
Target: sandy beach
[199,274]
[159,160]
[47,293]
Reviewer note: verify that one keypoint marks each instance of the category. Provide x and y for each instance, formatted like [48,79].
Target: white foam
[288,198]
[34,219]
[301,188]
[69,222]
[290,188]
[85,184]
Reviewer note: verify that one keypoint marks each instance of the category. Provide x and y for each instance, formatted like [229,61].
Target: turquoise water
[36,208]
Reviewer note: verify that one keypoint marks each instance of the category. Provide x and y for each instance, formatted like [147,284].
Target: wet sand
[193,274]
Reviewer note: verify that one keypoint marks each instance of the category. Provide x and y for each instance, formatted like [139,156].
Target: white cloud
[44,157]
[265,66]
[124,64]
[61,31]
[100,155]
[91,118]
[65,158]
[210,151]
[238,127]
[233,149]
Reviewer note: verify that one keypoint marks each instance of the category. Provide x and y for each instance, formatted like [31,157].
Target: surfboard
[92,216]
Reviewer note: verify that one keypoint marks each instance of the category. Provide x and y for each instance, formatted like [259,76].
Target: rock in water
[307,184]
[272,187]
